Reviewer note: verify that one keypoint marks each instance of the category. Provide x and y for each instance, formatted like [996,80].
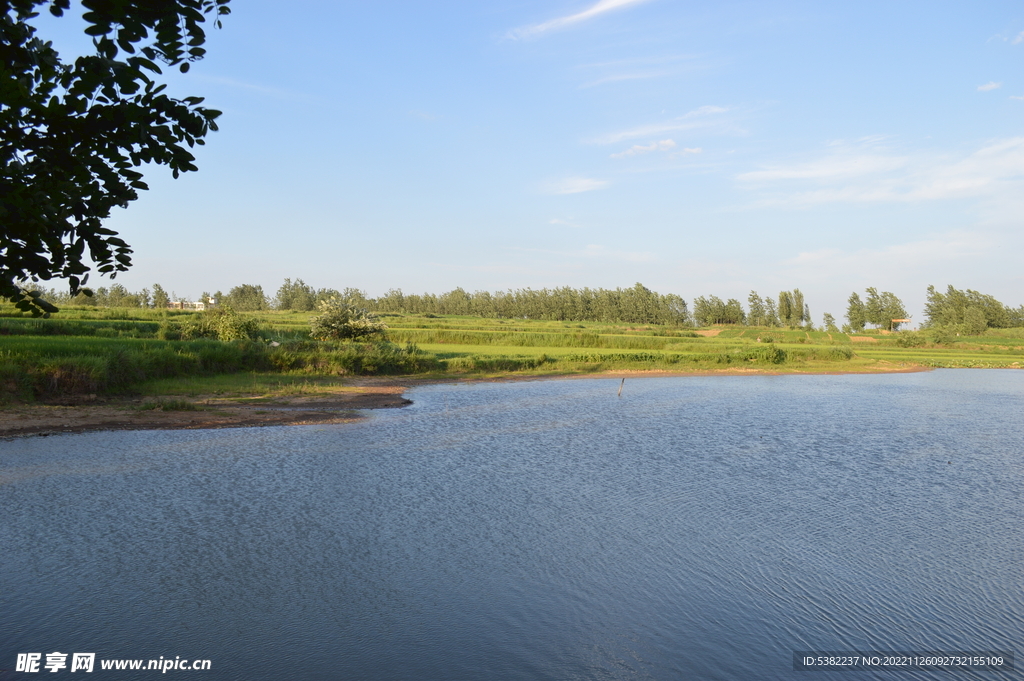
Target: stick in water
[620,386]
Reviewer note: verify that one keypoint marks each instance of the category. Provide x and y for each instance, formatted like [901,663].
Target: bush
[340,320]
[350,358]
[943,335]
[839,352]
[768,354]
[911,339]
[221,324]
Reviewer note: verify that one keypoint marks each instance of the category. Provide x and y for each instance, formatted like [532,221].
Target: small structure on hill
[198,305]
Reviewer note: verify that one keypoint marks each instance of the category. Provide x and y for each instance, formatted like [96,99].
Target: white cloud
[996,170]
[989,86]
[1016,97]
[636,149]
[597,9]
[698,118]
[1019,39]
[574,185]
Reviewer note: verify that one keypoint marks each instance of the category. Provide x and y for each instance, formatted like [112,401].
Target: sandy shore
[331,405]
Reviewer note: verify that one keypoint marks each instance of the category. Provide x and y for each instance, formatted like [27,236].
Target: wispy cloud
[230,82]
[563,223]
[636,149]
[832,167]
[597,9]
[698,118]
[640,68]
[1016,97]
[989,86]
[994,170]
[1019,39]
[574,185]
[622,77]
[686,151]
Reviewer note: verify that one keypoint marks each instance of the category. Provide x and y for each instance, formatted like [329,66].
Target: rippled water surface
[699,527]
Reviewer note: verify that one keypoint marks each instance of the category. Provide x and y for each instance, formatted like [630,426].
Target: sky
[700,148]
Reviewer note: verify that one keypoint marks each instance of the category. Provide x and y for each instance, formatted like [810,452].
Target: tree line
[968,312]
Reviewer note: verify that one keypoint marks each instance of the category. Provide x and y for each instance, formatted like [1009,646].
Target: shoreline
[342,404]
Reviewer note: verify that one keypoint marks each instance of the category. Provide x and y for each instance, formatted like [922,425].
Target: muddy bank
[331,405]
[197,412]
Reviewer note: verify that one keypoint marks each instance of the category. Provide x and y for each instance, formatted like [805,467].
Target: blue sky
[699,148]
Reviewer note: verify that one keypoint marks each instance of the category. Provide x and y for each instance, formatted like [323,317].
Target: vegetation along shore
[91,366]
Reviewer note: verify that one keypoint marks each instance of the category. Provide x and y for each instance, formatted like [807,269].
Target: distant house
[198,305]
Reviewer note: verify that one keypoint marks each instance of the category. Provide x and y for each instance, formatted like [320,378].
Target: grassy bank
[123,351]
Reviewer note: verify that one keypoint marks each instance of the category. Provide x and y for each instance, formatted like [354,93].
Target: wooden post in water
[620,386]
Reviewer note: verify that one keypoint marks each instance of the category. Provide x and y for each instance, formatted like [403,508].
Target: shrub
[340,320]
[839,352]
[768,354]
[943,335]
[911,339]
[221,324]
[168,331]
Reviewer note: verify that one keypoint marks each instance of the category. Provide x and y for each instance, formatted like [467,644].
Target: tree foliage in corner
[72,135]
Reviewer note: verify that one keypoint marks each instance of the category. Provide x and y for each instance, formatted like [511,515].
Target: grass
[244,384]
[88,350]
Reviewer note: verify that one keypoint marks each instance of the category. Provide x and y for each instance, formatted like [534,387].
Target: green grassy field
[128,351]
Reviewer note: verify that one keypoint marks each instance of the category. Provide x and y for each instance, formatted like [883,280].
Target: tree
[758,315]
[733,312]
[72,134]
[892,308]
[295,295]
[787,312]
[829,323]
[873,312]
[951,309]
[160,297]
[975,323]
[798,308]
[855,313]
[246,298]
[771,314]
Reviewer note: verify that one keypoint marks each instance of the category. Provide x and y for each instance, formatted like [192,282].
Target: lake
[693,528]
